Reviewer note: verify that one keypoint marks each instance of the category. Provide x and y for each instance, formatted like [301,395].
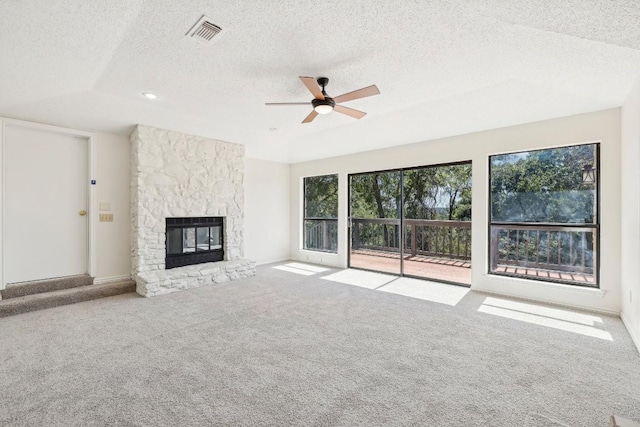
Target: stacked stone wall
[179,175]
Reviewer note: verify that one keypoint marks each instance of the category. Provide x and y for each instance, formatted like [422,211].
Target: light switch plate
[106,217]
[105,206]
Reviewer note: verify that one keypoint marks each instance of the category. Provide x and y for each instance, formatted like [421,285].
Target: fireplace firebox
[193,240]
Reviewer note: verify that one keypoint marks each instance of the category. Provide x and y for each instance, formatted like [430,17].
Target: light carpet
[282,349]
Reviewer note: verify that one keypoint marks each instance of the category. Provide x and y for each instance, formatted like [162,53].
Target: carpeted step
[41,301]
[17,290]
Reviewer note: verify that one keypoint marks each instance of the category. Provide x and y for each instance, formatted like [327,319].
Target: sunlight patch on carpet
[308,267]
[426,290]
[555,313]
[364,279]
[564,320]
[300,268]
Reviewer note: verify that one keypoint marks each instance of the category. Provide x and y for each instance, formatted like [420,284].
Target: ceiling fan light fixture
[323,109]
[323,106]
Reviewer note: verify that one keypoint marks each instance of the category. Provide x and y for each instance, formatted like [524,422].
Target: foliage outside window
[544,222]
[321,213]
[440,192]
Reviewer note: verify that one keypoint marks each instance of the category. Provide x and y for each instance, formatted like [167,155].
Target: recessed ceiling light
[273,128]
[149,95]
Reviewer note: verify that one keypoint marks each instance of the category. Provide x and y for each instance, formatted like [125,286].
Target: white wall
[267,204]
[603,126]
[630,213]
[113,187]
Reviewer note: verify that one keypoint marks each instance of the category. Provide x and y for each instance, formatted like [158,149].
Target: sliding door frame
[401,219]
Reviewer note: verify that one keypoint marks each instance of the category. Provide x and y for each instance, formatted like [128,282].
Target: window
[321,213]
[544,216]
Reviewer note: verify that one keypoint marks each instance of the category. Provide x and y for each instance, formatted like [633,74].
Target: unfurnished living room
[302,213]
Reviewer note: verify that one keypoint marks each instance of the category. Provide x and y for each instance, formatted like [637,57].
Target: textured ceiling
[443,68]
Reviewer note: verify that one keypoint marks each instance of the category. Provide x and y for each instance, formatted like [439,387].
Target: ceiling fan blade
[312,85]
[286,103]
[312,115]
[349,111]
[357,94]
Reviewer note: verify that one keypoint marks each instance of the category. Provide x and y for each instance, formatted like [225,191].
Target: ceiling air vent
[204,30]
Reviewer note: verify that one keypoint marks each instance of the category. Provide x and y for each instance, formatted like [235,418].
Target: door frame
[91,190]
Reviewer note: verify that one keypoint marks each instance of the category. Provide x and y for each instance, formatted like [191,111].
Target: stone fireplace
[191,187]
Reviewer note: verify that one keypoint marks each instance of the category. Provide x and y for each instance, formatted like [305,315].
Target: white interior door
[45,195]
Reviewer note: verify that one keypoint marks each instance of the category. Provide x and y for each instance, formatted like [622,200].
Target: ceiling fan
[324,104]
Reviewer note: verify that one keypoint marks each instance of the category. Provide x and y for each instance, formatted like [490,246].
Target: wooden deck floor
[534,273]
[427,267]
[450,270]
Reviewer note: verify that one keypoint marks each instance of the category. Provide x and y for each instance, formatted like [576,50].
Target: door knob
[82,212]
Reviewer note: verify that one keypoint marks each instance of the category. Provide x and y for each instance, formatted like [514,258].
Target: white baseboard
[632,331]
[100,280]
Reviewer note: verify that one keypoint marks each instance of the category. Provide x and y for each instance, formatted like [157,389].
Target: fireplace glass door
[174,241]
[188,240]
[193,241]
[216,237]
[202,239]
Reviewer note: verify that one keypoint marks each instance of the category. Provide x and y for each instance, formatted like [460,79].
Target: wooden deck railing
[444,239]
[552,247]
[321,234]
[555,247]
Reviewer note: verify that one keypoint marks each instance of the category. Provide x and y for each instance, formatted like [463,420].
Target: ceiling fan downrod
[323,81]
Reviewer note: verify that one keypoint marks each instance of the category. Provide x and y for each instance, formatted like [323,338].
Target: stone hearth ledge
[160,282]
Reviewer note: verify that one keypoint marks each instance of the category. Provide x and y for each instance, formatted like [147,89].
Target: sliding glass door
[414,222]
[375,203]
[437,222]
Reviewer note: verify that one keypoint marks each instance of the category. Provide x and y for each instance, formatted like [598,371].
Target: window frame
[305,218]
[595,226]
